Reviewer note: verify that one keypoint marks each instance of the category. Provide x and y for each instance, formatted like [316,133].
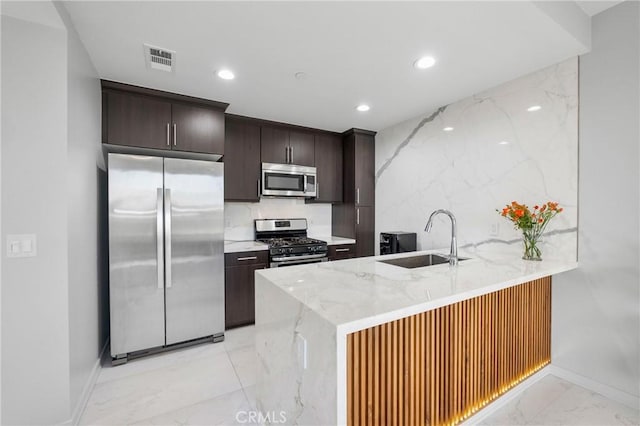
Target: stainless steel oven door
[278,262]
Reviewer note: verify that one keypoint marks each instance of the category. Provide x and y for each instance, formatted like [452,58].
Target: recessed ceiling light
[363,108]
[300,75]
[424,63]
[226,74]
[534,108]
[448,129]
[503,143]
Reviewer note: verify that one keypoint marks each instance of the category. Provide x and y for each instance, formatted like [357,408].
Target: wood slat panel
[441,366]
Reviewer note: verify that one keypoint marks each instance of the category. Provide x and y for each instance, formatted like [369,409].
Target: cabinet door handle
[168,135]
[175,135]
[247,258]
[291,155]
[286,154]
[317,188]
[258,181]
[342,249]
[357,195]
[357,216]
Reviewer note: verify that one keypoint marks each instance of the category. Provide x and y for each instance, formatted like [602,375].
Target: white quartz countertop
[333,241]
[360,293]
[239,246]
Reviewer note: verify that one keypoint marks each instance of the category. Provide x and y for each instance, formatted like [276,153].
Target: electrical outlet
[23,245]
[495,229]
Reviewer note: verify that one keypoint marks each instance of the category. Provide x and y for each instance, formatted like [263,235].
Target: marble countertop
[360,293]
[239,246]
[250,245]
[333,241]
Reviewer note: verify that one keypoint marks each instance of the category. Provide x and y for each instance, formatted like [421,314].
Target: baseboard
[88,388]
[617,395]
[503,400]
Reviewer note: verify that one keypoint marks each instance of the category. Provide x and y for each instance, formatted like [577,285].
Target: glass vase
[531,249]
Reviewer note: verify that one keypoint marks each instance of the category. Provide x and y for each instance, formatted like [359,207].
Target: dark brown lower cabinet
[342,251]
[239,286]
[365,226]
[349,221]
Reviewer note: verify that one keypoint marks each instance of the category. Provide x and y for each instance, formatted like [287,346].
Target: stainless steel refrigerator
[166,252]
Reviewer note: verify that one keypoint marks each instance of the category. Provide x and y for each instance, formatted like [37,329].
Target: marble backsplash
[238,217]
[497,152]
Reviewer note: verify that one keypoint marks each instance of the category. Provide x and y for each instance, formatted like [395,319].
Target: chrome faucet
[453,255]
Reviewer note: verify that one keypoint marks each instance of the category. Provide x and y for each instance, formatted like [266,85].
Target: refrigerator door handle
[159,239]
[167,236]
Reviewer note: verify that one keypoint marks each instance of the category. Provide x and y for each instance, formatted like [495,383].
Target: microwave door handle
[306,184]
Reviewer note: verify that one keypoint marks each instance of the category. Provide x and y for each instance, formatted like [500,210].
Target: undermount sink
[419,261]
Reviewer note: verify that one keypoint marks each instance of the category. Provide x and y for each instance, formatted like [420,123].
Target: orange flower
[543,208]
[519,212]
[505,211]
[536,207]
[540,220]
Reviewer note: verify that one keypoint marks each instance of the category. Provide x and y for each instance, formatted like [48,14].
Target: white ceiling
[352,52]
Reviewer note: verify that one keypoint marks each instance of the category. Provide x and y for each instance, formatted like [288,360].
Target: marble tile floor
[213,384]
[554,401]
[208,384]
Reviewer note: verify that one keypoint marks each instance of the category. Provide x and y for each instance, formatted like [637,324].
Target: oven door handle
[303,257]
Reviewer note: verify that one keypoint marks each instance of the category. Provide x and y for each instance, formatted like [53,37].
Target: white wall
[51,329]
[596,315]
[421,168]
[86,339]
[35,304]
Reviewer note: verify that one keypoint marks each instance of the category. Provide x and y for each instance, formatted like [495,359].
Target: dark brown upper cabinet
[241,160]
[198,129]
[359,158]
[284,146]
[137,121]
[328,161]
[301,148]
[274,145]
[355,216]
[146,118]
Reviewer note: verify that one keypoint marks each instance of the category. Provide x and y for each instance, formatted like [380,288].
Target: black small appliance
[397,242]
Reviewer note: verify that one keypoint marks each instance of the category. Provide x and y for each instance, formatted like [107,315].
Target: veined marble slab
[497,152]
[360,293]
[306,313]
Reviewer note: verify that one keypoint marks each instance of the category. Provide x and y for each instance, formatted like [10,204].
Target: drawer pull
[247,258]
[342,249]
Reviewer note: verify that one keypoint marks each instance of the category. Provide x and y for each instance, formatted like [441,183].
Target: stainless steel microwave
[288,180]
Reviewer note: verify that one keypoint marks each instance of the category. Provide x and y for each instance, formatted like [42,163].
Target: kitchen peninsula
[361,341]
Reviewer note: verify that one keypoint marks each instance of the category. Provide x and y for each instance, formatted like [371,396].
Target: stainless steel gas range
[288,242]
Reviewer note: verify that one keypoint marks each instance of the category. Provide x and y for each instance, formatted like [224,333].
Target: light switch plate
[21,245]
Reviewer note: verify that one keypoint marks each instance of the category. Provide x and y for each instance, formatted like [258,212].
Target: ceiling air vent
[158,58]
